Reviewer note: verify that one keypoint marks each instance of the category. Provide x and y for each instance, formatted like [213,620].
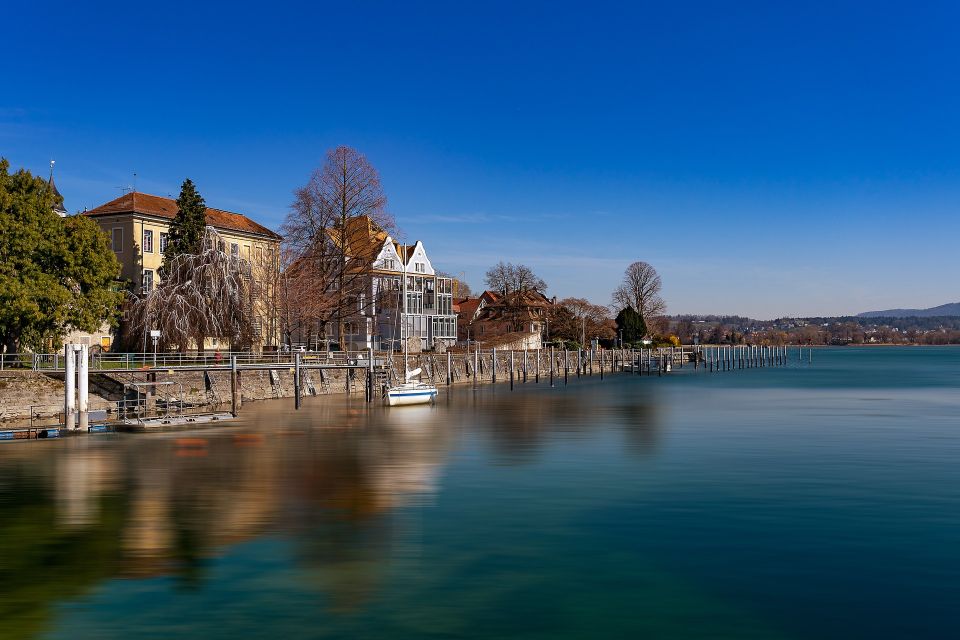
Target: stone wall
[24,391]
[19,390]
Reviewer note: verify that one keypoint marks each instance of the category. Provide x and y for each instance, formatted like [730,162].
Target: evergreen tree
[186,230]
[631,324]
[56,274]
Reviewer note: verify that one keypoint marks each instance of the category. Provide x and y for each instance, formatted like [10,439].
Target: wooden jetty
[150,403]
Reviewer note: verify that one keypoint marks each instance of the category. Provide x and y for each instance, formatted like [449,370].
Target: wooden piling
[234,387]
[551,365]
[296,381]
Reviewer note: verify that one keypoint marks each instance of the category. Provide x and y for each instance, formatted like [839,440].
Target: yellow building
[138,225]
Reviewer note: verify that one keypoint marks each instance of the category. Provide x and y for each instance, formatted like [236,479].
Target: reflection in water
[334,479]
[674,507]
[520,426]
[78,511]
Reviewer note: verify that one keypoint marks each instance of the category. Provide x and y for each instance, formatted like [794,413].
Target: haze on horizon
[767,160]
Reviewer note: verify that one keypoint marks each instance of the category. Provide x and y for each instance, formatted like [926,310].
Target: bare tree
[506,277]
[460,287]
[524,279]
[292,301]
[499,277]
[329,242]
[209,294]
[641,291]
[585,321]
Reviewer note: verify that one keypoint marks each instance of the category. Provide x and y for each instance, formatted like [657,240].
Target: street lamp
[155,335]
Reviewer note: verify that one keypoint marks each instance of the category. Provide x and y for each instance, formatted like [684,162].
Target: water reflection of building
[335,492]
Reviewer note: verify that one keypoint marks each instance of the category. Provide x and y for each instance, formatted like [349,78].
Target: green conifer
[632,325]
[186,230]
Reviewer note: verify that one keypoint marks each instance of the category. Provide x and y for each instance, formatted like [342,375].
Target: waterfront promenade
[171,385]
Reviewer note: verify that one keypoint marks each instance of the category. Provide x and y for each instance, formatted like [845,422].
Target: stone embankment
[26,393]
[23,392]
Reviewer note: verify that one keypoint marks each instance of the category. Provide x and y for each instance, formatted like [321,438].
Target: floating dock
[173,423]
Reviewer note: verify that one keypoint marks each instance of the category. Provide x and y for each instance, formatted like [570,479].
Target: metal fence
[107,361]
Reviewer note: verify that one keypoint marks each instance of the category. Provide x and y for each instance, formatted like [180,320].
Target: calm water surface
[806,502]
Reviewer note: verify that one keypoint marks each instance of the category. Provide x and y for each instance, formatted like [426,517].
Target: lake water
[814,501]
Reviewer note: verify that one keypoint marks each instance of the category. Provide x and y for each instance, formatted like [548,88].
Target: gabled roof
[150,205]
[469,308]
[405,251]
[363,238]
[525,298]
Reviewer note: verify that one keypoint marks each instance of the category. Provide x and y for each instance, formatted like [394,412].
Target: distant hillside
[950,309]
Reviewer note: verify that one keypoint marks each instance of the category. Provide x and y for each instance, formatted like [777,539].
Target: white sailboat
[410,391]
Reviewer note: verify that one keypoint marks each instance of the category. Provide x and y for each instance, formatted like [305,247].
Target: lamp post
[155,336]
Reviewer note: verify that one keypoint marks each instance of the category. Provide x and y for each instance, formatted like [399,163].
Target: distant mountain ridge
[949,309]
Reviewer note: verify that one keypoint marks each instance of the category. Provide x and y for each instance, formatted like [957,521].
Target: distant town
[840,330]
[143,272]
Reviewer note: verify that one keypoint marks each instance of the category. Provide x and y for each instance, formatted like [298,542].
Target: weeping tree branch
[204,295]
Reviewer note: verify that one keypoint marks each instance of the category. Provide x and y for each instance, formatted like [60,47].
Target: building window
[116,238]
[221,247]
[234,249]
[148,241]
[163,242]
[147,280]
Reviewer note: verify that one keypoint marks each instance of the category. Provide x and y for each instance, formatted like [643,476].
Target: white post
[69,388]
[83,385]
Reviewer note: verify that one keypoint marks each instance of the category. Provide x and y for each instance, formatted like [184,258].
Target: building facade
[138,226]
[378,314]
[522,316]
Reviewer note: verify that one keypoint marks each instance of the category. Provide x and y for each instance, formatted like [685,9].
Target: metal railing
[107,361]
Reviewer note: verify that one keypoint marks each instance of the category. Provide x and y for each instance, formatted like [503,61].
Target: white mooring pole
[69,388]
[83,385]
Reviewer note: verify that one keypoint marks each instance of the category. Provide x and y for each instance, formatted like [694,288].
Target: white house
[427,311]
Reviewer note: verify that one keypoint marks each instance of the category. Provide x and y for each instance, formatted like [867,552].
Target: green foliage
[186,230]
[56,274]
[631,324]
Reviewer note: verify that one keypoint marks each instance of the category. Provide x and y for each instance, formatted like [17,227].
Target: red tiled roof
[468,308]
[150,205]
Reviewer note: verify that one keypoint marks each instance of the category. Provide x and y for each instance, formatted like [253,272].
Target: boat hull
[401,397]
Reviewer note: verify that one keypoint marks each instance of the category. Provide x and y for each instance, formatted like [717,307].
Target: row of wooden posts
[581,363]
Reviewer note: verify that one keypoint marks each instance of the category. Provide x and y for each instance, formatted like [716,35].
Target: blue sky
[767,158]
